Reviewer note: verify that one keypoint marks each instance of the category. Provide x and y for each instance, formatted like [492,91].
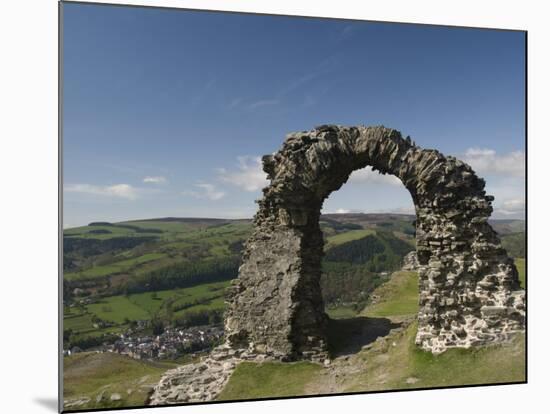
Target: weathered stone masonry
[469,288]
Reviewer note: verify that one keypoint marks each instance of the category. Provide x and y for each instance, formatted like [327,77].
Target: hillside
[376,351]
[160,276]
[174,270]
[372,352]
[108,380]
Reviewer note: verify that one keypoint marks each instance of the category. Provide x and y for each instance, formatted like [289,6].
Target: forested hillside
[173,271]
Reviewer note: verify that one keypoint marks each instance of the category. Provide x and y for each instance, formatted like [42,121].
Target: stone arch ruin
[469,287]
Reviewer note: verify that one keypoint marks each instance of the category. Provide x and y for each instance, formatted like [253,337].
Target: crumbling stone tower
[469,288]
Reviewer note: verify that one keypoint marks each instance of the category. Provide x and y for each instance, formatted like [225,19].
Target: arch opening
[469,290]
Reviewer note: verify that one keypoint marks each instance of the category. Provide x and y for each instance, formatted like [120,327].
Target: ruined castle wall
[469,288]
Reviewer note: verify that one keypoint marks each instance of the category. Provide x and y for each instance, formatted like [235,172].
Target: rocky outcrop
[410,262]
[469,288]
[203,381]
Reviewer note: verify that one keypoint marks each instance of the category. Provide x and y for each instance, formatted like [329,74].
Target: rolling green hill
[390,362]
[90,380]
[176,270]
[110,269]
[514,243]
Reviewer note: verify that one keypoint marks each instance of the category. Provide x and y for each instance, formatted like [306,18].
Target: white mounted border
[28,167]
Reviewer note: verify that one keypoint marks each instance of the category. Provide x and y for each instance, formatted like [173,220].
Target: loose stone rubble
[410,262]
[203,381]
[469,287]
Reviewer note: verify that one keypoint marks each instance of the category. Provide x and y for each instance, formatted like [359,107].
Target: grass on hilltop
[400,364]
[347,236]
[520,265]
[398,296]
[340,312]
[113,268]
[391,364]
[88,375]
[269,379]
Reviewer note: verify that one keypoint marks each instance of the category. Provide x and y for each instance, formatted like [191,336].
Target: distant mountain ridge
[502,226]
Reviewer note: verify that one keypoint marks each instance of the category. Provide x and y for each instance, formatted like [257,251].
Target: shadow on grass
[348,336]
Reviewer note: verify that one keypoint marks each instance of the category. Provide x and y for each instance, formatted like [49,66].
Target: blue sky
[167,112]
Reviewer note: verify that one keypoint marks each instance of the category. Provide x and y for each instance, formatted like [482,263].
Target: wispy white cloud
[487,161]
[125,191]
[514,204]
[298,82]
[155,180]
[309,101]
[504,174]
[346,32]
[262,103]
[203,94]
[249,175]
[205,191]
[234,103]
[399,210]
[511,207]
[313,72]
[342,211]
[367,175]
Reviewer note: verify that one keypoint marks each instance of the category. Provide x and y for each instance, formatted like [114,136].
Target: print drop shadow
[49,403]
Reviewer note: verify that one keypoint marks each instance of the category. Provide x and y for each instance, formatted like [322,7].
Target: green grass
[168,228]
[139,260]
[81,323]
[520,265]
[218,237]
[495,364]
[84,232]
[179,242]
[347,236]
[392,365]
[117,308]
[142,306]
[399,296]
[213,304]
[116,267]
[99,332]
[219,250]
[151,302]
[514,243]
[341,312]
[97,271]
[87,375]
[270,379]
[165,226]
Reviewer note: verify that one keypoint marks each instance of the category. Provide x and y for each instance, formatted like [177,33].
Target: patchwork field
[122,309]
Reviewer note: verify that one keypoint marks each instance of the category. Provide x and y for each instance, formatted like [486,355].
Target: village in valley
[171,344]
